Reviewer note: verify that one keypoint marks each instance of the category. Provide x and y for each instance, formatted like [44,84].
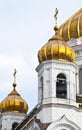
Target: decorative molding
[63,123]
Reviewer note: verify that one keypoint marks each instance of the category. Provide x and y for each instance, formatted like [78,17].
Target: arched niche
[63,124]
[14,125]
[80,80]
[61,86]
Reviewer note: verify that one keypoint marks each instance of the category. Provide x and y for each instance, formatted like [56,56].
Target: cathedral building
[59,71]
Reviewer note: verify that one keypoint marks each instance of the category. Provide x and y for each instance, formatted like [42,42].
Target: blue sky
[26,25]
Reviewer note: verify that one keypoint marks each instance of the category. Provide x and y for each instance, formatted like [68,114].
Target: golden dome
[72,28]
[56,49]
[14,102]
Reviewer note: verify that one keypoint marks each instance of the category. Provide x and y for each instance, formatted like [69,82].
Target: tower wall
[8,118]
[48,71]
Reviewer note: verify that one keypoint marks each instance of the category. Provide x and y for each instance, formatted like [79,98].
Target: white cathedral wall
[54,108]
[52,114]
[49,71]
[76,44]
[8,118]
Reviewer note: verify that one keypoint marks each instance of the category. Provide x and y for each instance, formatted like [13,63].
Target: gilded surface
[56,49]
[78,27]
[72,28]
[13,103]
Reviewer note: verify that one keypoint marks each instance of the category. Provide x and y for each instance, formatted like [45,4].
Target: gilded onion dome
[71,28]
[56,49]
[14,102]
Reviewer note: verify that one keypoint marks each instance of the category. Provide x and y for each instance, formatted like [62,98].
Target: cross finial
[14,74]
[55,16]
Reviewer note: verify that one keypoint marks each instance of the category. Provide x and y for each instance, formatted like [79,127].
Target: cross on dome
[55,16]
[14,74]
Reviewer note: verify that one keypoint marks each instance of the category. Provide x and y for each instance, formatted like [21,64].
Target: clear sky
[26,25]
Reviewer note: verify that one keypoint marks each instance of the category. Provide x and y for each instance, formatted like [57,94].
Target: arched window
[41,88]
[61,86]
[80,81]
[14,125]
[41,80]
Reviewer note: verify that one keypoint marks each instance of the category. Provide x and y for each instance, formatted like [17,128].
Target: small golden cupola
[56,48]
[14,102]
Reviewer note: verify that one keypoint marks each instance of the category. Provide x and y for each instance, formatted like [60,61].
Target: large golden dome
[56,49]
[14,102]
[72,28]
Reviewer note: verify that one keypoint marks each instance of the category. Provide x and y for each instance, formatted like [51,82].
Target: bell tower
[57,76]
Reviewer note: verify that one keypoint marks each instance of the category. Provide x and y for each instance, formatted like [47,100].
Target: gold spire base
[14,85]
[56,28]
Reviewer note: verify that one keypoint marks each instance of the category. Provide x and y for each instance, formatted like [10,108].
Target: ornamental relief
[63,124]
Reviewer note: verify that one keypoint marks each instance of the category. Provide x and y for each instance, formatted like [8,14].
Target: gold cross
[14,75]
[55,16]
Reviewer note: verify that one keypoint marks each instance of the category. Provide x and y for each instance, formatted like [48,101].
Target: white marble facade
[48,71]
[54,108]
[7,119]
